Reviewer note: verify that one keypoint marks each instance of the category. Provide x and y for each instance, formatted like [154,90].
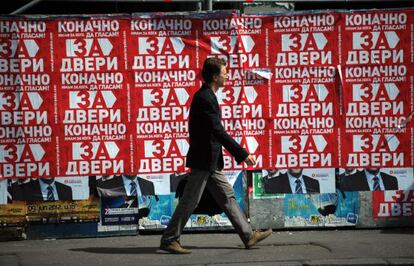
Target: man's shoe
[257,237]
[174,247]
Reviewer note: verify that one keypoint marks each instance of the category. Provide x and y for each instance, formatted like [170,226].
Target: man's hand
[250,160]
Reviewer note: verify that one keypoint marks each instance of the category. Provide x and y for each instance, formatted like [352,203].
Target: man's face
[48,180]
[373,171]
[129,176]
[221,78]
[272,172]
[296,172]
[349,170]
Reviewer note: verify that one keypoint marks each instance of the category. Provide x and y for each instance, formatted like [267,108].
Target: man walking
[205,158]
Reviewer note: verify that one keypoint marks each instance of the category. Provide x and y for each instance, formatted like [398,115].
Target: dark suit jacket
[115,187]
[31,191]
[16,191]
[281,184]
[207,135]
[339,182]
[358,182]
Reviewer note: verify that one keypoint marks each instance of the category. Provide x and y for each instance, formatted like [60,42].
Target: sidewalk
[327,247]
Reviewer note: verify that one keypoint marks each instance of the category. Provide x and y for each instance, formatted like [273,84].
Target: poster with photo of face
[49,189]
[126,199]
[376,179]
[123,185]
[298,181]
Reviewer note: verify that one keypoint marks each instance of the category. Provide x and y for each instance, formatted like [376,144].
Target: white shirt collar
[292,182]
[370,180]
[127,185]
[44,190]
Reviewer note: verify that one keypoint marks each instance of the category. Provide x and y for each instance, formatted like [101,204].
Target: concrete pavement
[325,247]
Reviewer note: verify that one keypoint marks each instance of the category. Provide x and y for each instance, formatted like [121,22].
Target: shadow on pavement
[137,250]
[404,231]
[113,250]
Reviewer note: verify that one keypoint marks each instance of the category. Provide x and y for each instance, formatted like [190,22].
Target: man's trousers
[218,186]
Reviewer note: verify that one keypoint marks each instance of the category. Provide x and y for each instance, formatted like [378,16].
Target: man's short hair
[212,66]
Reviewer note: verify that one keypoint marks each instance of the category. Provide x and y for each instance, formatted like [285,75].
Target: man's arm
[214,120]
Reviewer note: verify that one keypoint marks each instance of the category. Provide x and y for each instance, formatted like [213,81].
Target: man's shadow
[139,250]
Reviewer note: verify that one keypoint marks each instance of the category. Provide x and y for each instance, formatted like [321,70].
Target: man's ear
[215,77]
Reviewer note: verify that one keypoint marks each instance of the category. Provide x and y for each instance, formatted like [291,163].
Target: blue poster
[321,210]
[124,210]
[160,211]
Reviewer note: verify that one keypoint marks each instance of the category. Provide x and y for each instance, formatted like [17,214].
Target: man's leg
[192,194]
[223,193]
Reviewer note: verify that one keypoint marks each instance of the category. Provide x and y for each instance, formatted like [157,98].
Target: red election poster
[377,90]
[27,146]
[92,96]
[303,40]
[304,94]
[376,37]
[393,204]
[244,99]
[164,59]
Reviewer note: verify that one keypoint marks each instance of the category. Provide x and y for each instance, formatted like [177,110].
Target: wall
[362,205]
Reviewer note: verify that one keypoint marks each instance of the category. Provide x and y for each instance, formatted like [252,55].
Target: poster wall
[108,95]
[163,56]
[91,96]
[28,131]
[304,98]
[377,89]
[91,104]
